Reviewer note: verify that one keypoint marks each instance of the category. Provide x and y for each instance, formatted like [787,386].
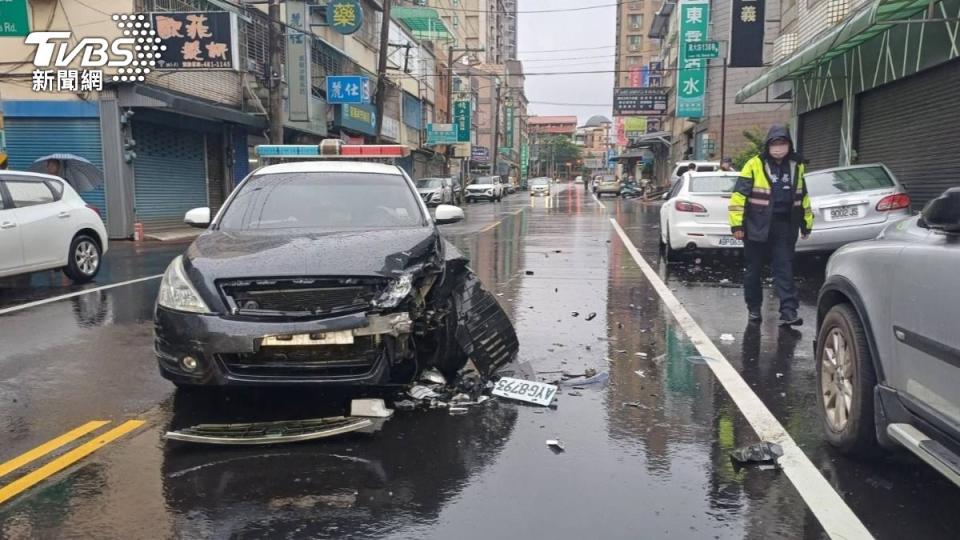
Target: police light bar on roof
[332,149]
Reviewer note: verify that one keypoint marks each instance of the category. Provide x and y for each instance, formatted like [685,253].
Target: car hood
[385,252]
[480,186]
[428,190]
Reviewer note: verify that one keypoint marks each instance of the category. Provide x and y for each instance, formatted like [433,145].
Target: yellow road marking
[492,225]
[50,446]
[26,482]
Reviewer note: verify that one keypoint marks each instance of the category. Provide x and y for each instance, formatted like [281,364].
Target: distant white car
[488,188]
[682,167]
[44,225]
[695,214]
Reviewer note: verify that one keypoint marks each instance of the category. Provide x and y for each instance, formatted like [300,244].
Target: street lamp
[450,51]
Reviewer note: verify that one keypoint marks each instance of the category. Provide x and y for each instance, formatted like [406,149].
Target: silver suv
[888,345]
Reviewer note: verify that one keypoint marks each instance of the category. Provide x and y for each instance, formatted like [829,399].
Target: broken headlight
[396,291]
[176,291]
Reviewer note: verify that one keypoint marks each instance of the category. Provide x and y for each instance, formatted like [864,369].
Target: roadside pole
[276,38]
[382,68]
[496,126]
[723,100]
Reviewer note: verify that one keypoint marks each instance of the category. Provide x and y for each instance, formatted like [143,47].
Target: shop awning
[661,21]
[872,20]
[423,23]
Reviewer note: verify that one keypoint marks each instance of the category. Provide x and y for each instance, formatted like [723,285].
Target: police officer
[768,209]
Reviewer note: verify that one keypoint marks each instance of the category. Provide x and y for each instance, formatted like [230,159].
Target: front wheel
[669,254]
[846,380]
[83,260]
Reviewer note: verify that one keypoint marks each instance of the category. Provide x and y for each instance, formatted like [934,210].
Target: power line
[571,58]
[511,12]
[567,50]
[610,105]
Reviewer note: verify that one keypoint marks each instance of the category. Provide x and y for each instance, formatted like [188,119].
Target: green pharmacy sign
[344,16]
[13,18]
[461,117]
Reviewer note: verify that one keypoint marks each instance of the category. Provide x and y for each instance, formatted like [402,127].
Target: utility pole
[382,67]
[496,125]
[723,101]
[275,76]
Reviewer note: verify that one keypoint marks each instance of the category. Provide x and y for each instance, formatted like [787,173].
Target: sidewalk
[174,235]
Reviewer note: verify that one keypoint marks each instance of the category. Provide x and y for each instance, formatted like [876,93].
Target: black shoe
[790,318]
[753,315]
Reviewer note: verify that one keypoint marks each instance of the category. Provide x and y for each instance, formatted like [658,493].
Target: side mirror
[446,214]
[943,213]
[665,196]
[198,217]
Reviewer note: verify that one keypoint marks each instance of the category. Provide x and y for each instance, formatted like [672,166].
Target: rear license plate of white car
[843,212]
[529,391]
[729,241]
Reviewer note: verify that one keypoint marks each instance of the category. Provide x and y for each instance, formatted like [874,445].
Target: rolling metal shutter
[820,136]
[216,182]
[912,127]
[32,138]
[170,175]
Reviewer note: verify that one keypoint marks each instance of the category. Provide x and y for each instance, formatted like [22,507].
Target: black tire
[84,259]
[856,435]
[669,254]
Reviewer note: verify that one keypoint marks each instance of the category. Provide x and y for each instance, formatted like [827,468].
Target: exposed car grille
[299,297]
[308,361]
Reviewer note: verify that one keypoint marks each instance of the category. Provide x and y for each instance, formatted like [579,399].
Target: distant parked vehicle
[887,349]
[435,191]
[540,186]
[488,188]
[607,183]
[852,203]
[702,166]
[695,214]
[44,224]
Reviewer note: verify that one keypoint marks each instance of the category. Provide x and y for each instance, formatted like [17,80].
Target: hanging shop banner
[509,135]
[358,117]
[524,160]
[344,16]
[692,73]
[348,89]
[461,117]
[636,101]
[746,33]
[197,40]
[621,131]
[441,133]
[634,126]
[299,82]
[480,154]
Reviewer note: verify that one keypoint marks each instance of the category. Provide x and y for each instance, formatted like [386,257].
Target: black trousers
[779,250]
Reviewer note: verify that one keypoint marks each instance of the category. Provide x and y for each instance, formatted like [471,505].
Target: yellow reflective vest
[751,205]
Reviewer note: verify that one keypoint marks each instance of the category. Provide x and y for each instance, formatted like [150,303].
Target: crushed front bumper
[356,349]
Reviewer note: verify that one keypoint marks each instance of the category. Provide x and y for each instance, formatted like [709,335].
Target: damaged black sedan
[325,272]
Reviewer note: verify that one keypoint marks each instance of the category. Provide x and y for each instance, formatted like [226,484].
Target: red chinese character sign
[196,40]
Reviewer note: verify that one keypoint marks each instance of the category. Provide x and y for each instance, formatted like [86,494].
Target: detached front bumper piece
[349,349]
[484,332]
[269,432]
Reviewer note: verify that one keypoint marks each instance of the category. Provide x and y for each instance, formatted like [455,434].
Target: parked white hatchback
[44,224]
[695,215]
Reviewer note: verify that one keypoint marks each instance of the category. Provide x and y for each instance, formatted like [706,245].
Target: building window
[634,60]
[635,42]
[636,22]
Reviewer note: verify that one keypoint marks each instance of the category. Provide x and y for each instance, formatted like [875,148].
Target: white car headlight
[176,291]
[398,289]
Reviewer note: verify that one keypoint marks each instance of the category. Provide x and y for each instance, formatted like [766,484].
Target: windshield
[429,183]
[329,201]
[712,184]
[484,180]
[539,182]
[608,178]
[848,181]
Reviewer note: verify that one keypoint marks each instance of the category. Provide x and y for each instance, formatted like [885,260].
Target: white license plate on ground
[729,241]
[843,212]
[530,391]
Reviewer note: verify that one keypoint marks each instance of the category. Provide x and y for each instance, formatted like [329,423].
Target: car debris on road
[764,452]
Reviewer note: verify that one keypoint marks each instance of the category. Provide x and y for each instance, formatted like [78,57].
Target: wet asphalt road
[655,468]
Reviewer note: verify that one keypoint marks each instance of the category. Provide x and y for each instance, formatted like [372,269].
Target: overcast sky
[568,30]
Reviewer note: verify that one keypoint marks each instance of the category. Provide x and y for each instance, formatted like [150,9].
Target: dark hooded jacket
[751,205]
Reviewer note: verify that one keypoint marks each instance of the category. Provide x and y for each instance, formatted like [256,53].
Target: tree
[755,144]
[559,150]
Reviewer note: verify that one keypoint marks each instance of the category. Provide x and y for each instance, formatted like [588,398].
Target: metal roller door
[31,138]
[912,126]
[169,175]
[820,136]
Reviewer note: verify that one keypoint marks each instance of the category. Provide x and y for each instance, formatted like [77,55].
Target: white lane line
[598,201]
[29,305]
[836,518]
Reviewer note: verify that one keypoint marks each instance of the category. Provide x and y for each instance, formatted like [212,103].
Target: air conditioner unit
[635,26]
[634,47]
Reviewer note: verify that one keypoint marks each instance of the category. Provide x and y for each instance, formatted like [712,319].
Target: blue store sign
[344,16]
[362,118]
[348,89]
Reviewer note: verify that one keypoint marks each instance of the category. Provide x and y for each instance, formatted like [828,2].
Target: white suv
[44,225]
